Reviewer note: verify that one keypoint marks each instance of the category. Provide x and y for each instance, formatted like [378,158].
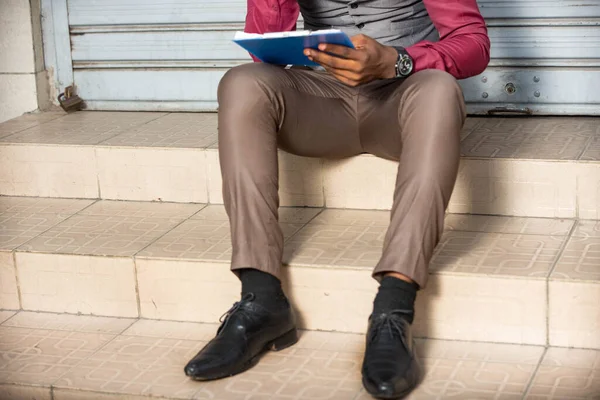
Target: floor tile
[97,235]
[592,152]
[137,365]
[111,228]
[38,356]
[183,130]
[9,293]
[574,315]
[353,218]
[68,322]
[48,171]
[350,238]
[147,360]
[496,224]
[76,394]
[470,125]
[477,351]
[175,211]
[531,138]
[27,121]
[23,218]
[296,374]
[77,284]
[172,330]
[197,239]
[580,260]
[496,253]
[331,341]
[82,128]
[287,215]
[18,392]
[4,315]
[587,228]
[34,205]
[335,245]
[153,174]
[567,374]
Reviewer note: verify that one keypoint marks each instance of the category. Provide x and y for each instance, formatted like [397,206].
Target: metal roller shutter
[171,54]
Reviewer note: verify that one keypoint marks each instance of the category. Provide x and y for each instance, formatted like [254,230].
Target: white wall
[23,81]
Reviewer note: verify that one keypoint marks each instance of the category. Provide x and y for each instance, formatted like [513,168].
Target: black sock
[395,294]
[265,287]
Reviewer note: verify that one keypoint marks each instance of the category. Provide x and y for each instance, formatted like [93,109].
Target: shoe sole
[284,341]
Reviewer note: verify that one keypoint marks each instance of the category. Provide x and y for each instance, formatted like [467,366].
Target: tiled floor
[79,357]
[192,130]
[23,219]
[534,138]
[129,258]
[27,121]
[82,128]
[345,238]
[112,228]
[523,280]
[543,138]
[534,167]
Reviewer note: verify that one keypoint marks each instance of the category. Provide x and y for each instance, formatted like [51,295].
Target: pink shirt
[463,49]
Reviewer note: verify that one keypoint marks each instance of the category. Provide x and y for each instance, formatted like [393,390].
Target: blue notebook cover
[287,48]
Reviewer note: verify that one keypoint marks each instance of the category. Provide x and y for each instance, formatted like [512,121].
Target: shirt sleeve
[464,46]
[265,16]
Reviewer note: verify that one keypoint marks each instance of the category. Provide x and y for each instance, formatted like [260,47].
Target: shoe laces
[237,306]
[384,358]
[391,323]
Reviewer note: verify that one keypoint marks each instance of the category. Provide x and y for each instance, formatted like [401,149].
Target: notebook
[287,48]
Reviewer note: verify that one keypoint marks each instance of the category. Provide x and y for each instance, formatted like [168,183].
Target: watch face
[405,66]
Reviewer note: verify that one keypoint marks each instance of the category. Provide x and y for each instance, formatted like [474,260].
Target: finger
[330,61]
[340,51]
[346,81]
[345,77]
[352,76]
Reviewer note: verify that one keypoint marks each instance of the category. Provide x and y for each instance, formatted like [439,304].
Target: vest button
[354,5]
[360,26]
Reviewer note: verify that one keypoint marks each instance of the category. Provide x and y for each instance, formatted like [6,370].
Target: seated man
[395,96]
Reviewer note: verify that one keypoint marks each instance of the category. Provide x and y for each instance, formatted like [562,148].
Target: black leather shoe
[247,331]
[390,368]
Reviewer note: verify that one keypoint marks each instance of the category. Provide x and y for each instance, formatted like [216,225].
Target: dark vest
[391,22]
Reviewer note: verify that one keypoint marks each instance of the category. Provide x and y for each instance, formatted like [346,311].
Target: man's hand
[369,61]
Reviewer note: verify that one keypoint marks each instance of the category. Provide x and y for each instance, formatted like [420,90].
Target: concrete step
[66,357]
[533,167]
[513,280]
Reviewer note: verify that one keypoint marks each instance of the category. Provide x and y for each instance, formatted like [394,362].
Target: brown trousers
[416,121]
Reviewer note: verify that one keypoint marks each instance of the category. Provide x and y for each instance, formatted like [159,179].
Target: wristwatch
[404,64]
